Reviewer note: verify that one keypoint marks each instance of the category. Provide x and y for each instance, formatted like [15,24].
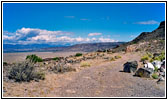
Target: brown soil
[103,79]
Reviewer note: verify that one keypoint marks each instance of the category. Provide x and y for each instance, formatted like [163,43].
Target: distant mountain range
[85,47]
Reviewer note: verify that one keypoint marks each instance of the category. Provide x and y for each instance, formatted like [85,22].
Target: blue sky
[29,23]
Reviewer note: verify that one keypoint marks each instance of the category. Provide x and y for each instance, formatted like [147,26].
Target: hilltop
[147,41]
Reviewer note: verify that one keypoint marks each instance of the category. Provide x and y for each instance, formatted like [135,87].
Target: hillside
[147,41]
[85,47]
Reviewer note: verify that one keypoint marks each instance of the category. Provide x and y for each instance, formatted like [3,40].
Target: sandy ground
[104,79]
[16,57]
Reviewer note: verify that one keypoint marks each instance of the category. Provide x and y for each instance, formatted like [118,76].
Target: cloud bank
[37,36]
[94,34]
[148,22]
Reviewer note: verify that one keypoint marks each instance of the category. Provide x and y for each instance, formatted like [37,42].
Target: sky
[73,23]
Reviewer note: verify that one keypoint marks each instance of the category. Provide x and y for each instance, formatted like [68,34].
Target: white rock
[157,63]
[149,65]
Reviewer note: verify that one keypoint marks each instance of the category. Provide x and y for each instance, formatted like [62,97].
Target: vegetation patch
[56,58]
[117,57]
[85,64]
[155,76]
[151,58]
[24,71]
[33,58]
[60,68]
[5,63]
[145,57]
[78,54]
[112,59]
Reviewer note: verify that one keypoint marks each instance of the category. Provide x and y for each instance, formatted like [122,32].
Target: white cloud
[5,37]
[36,36]
[148,22]
[106,40]
[94,34]
[84,19]
[69,16]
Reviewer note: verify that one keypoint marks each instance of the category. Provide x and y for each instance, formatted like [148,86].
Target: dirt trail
[108,80]
[105,80]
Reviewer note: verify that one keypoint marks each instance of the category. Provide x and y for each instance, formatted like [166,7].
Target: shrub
[160,57]
[60,68]
[149,55]
[85,64]
[78,54]
[112,59]
[5,63]
[156,69]
[56,58]
[24,71]
[155,76]
[39,75]
[151,60]
[117,57]
[33,58]
[145,57]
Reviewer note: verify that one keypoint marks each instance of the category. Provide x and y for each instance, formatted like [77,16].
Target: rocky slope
[147,41]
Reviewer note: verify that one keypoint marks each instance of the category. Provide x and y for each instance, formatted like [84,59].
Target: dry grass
[85,64]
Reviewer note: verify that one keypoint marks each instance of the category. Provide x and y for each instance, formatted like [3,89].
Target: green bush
[149,54]
[33,58]
[156,69]
[5,63]
[78,54]
[112,59]
[155,76]
[117,57]
[160,57]
[151,60]
[145,57]
[56,58]
[24,71]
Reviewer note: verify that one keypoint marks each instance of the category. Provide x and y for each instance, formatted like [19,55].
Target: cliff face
[147,41]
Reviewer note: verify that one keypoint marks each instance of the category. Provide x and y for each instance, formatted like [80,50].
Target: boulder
[161,79]
[130,66]
[157,63]
[144,72]
[163,64]
[149,65]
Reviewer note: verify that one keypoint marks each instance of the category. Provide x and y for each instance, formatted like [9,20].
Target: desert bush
[56,58]
[117,57]
[145,57]
[78,54]
[39,75]
[24,71]
[5,63]
[33,58]
[149,54]
[85,64]
[151,60]
[61,68]
[160,57]
[112,59]
[156,69]
[155,76]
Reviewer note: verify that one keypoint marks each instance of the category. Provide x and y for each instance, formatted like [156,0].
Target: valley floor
[104,79]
